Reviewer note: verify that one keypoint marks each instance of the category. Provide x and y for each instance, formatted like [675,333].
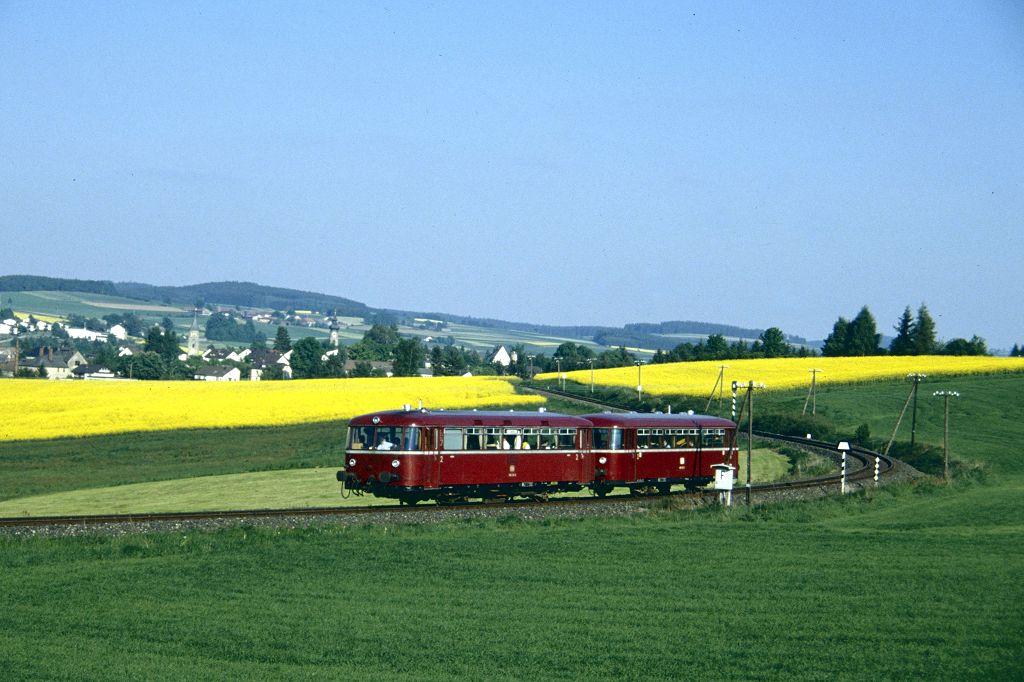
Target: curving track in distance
[861,465]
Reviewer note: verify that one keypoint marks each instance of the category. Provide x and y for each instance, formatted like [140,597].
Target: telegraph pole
[750,429]
[812,394]
[946,395]
[591,361]
[719,386]
[916,378]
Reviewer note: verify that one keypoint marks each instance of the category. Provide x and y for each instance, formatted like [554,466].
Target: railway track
[861,467]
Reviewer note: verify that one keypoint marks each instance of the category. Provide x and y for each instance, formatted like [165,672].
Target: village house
[94,373]
[262,359]
[57,363]
[87,334]
[218,374]
[385,368]
[502,357]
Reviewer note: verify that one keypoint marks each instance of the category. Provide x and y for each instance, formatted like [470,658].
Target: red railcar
[450,456]
[651,452]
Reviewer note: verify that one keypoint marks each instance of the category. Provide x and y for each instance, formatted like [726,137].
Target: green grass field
[913,581]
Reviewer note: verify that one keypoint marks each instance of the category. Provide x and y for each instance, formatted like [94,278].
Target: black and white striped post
[735,385]
[878,461]
[843,447]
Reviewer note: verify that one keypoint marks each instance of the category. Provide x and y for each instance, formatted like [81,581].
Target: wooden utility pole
[946,395]
[916,378]
[812,394]
[719,386]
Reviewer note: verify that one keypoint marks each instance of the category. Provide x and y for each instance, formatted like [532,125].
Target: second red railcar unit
[652,452]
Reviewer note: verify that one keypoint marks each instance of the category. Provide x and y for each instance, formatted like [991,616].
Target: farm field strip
[51,409]
[698,378]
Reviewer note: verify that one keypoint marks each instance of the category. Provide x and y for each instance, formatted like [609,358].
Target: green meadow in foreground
[902,582]
[913,583]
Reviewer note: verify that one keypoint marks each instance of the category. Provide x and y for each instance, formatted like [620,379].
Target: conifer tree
[835,343]
[282,342]
[924,333]
[862,337]
[903,344]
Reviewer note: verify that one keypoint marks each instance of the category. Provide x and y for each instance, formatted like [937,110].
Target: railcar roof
[656,420]
[468,418]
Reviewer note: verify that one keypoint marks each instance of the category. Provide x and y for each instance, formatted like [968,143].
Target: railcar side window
[411,440]
[607,439]
[548,439]
[714,438]
[452,439]
[566,439]
[473,439]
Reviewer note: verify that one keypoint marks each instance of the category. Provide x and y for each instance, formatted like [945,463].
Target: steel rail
[864,471]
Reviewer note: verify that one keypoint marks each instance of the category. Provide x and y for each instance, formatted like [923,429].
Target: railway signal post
[639,382]
[844,447]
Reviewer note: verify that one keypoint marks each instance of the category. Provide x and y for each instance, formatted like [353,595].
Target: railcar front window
[607,439]
[360,437]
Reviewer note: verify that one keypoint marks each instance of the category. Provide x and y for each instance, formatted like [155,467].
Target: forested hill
[247,294]
[37,283]
[661,335]
[641,335]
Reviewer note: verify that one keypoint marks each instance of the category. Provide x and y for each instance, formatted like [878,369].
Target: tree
[282,342]
[335,365]
[924,333]
[168,324]
[362,369]
[773,343]
[378,343]
[976,346]
[163,344]
[408,357]
[306,359]
[148,365]
[903,344]
[618,357]
[574,356]
[835,343]
[862,337]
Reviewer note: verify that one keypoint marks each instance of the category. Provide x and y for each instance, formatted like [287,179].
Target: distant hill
[653,336]
[36,283]
[245,294]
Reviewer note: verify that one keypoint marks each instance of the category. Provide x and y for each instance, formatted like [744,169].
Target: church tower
[334,331]
[193,335]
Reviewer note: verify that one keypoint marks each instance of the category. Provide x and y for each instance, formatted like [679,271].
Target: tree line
[914,336]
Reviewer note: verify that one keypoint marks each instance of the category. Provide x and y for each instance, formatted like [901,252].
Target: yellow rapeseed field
[698,378]
[35,409]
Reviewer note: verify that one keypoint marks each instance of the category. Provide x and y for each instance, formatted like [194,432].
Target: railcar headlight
[602,460]
[352,462]
[395,463]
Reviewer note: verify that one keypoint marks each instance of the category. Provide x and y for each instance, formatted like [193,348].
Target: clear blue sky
[756,164]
